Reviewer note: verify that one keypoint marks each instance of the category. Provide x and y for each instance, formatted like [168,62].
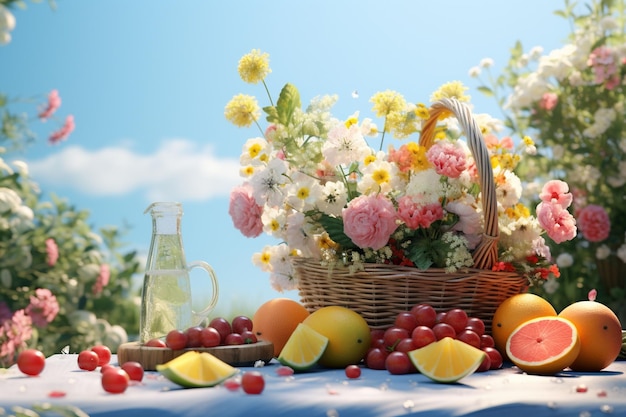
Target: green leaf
[334,228]
[420,253]
[486,91]
[288,102]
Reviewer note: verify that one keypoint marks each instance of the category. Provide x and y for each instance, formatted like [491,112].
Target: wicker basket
[381,291]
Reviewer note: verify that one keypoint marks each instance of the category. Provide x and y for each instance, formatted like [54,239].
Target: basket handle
[486,253]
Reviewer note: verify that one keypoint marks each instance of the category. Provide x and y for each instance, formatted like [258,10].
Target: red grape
[457,318]
[393,335]
[486,341]
[233,339]
[134,370]
[31,362]
[104,354]
[375,358]
[470,337]
[476,324]
[248,337]
[442,330]
[440,316]
[494,356]
[222,326]
[252,382]
[405,345]
[176,339]
[193,337]
[88,360]
[425,315]
[115,381]
[158,343]
[241,323]
[398,363]
[423,336]
[210,337]
[406,320]
[353,371]
[485,365]
[377,334]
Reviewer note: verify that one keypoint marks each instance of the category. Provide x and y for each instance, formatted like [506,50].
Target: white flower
[486,63]
[282,277]
[274,221]
[425,186]
[621,252]
[7,24]
[603,252]
[267,183]
[474,72]
[255,152]
[564,260]
[551,285]
[345,145]
[303,192]
[10,201]
[509,191]
[334,198]
[379,176]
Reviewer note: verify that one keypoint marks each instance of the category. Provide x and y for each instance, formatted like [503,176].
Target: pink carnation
[43,307]
[64,131]
[245,212]
[54,102]
[416,215]
[448,159]
[52,251]
[369,220]
[557,221]
[548,101]
[594,223]
[556,191]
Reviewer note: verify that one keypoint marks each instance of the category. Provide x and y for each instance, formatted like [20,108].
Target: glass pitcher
[166,293]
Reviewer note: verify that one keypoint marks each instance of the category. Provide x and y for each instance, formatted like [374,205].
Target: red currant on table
[115,381]
[88,360]
[104,354]
[134,370]
[31,362]
[252,382]
[353,371]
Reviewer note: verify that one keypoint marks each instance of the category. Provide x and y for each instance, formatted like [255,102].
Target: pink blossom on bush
[64,131]
[14,333]
[54,102]
[43,307]
[102,280]
[245,212]
[556,191]
[548,101]
[604,67]
[557,221]
[416,215]
[448,159]
[594,223]
[369,220]
[52,251]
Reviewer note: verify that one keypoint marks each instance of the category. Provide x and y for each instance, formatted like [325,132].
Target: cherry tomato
[104,354]
[88,360]
[115,381]
[353,371]
[134,370]
[31,362]
[252,382]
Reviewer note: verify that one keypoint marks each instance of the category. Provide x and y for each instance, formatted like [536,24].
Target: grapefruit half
[544,345]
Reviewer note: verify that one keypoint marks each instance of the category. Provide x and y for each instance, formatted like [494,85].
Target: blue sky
[147,82]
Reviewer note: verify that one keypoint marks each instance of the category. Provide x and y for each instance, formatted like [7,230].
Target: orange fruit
[543,346]
[447,360]
[275,320]
[600,334]
[348,335]
[514,311]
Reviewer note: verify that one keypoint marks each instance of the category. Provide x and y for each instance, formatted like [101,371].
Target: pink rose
[369,220]
[594,223]
[556,191]
[557,221]
[245,212]
[449,160]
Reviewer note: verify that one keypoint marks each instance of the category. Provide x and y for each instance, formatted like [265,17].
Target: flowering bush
[60,282]
[572,101]
[315,183]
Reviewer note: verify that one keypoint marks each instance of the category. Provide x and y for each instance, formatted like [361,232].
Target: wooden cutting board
[240,355]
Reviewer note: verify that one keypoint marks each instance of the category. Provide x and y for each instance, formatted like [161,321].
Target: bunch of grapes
[421,326]
[219,332]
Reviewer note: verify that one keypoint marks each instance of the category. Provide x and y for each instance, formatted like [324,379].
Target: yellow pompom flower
[242,110]
[254,66]
[453,89]
[387,102]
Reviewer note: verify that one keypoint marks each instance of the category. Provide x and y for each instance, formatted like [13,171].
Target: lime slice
[447,360]
[196,369]
[303,349]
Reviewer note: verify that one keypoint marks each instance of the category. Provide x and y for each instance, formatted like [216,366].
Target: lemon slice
[303,349]
[447,360]
[196,369]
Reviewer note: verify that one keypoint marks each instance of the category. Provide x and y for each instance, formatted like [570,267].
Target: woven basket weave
[381,291]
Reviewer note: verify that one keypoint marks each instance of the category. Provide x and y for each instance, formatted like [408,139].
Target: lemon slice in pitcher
[303,349]
[447,360]
[196,370]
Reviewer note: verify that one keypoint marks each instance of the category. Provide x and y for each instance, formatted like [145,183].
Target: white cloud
[178,170]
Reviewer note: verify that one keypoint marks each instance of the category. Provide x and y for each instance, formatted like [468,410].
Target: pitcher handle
[203,314]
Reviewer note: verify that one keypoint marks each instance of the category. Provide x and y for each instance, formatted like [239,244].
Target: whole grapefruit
[348,335]
[514,311]
[600,334]
[276,319]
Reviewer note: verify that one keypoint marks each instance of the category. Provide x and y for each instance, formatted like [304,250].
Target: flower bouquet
[437,220]
[572,101]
